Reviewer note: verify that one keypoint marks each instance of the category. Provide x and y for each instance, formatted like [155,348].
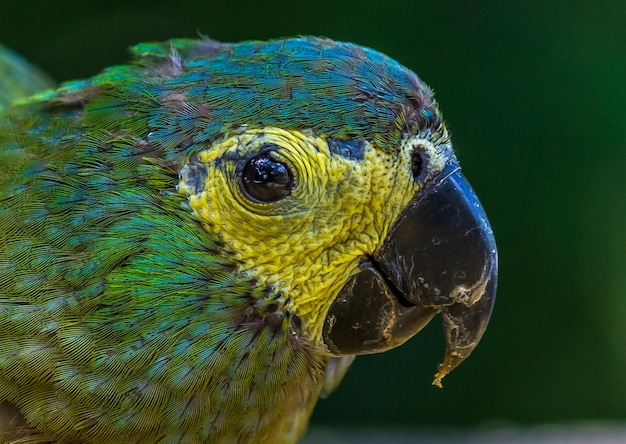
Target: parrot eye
[265,179]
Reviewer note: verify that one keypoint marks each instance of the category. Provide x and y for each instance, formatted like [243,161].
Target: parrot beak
[439,257]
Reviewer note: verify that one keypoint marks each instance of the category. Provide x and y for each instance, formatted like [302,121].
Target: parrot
[195,245]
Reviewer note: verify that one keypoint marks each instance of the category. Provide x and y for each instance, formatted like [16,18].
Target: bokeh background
[535,95]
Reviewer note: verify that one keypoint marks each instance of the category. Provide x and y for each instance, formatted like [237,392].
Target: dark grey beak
[440,256]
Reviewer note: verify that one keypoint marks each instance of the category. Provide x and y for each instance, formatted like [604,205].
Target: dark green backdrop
[535,94]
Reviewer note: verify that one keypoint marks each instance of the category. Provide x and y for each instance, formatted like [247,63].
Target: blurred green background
[535,95]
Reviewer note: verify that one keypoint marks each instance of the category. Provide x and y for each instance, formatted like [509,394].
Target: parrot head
[197,243]
[334,185]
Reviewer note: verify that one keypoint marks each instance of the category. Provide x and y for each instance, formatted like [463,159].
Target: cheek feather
[304,246]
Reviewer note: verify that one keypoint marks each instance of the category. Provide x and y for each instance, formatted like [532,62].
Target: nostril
[418,162]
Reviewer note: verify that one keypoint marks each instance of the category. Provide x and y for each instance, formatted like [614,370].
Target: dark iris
[265,179]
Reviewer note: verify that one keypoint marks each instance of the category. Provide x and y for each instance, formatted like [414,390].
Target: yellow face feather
[305,246]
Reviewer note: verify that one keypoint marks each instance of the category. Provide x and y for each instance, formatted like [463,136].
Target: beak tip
[450,362]
[441,373]
[464,324]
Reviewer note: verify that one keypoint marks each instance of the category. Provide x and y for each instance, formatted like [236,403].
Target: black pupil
[265,179]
